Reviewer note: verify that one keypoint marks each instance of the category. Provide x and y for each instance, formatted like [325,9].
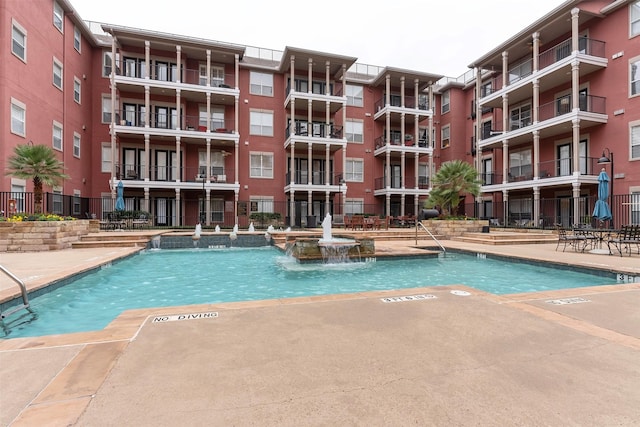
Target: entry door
[165,211]
[396,176]
[565,210]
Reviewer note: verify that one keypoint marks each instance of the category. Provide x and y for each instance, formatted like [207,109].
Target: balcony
[555,118]
[554,69]
[166,123]
[317,135]
[169,174]
[317,178]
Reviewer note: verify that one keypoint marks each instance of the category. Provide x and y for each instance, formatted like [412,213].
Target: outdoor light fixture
[607,157]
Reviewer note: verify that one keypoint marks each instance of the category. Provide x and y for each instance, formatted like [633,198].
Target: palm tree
[38,163]
[454,179]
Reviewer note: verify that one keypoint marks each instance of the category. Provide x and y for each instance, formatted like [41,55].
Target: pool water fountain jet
[196,235]
[336,250]
[251,228]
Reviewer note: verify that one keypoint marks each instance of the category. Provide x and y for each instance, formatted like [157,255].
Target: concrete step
[127,243]
[507,238]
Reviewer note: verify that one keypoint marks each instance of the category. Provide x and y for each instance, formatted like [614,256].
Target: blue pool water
[160,278]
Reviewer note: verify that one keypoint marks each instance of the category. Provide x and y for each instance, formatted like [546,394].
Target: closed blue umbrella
[602,211]
[120,197]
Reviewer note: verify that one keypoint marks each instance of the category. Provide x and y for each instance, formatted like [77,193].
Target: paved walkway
[375,358]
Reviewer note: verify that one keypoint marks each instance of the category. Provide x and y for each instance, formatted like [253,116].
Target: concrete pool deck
[442,359]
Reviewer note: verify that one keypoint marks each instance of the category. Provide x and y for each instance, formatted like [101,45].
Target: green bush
[265,216]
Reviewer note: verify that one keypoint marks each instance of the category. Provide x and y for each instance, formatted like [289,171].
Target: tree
[454,179]
[39,164]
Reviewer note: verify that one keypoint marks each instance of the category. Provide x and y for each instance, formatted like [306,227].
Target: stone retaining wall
[37,236]
[449,228]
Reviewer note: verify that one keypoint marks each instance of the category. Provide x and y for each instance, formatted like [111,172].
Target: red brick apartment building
[201,130]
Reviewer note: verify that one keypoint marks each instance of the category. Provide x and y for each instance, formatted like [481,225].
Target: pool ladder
[25,298]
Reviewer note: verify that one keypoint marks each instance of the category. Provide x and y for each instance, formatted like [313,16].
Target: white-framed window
[217,117]
[261,165]
[520,166]
[634,76]
[76,145]
[634,19]
[423,175]
[19,41]
[261,122]
[18,117]
[446,99]
[445,136]
[58,16]
[520,116]
[261,83]
[17,193]
[355,95]
[106,157]
[634,139]
[108,63]
[354,170]
[77,89]
[354,130]
[353,206]
[217,75]
[106,109]
[77,38]
[56,140]
[57,73]
[261,204]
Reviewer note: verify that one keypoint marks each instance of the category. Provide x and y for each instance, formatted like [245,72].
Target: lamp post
[607,157]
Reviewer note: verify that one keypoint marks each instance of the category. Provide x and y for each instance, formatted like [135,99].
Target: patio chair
[628,236]
[566,239]
[357,222]
[584,239]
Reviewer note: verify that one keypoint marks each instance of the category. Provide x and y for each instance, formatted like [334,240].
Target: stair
[112,239]
[507,238]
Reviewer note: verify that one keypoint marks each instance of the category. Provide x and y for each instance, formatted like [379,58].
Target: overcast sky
[440,37]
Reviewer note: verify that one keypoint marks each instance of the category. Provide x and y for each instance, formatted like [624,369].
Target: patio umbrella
[120,197]
[602,211]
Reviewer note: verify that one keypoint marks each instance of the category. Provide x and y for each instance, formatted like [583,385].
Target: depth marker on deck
[408,298]
[564,301]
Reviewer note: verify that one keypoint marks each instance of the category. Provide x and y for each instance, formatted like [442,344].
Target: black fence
[517,212]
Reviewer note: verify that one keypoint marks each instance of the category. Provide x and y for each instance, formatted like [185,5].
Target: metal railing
[23,292]
[419,224]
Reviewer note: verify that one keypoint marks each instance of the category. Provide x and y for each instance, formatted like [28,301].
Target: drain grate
[408,298]
[564,301]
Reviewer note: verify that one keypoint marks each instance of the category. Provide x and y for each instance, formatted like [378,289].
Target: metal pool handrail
[23,291]
[420,224]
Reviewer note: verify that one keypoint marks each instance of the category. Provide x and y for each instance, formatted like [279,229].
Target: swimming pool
[160,278]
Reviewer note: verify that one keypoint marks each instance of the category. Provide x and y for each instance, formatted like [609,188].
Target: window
[106,109]
[76,89]
[353,206]
[354,170]
[635,207]
[634,76]
[134,114]
[521,117]
[106,157]
[261,204]
[445,102]
[261,123]
[166,71]
[58,16]
[217,117]
[19,41]
[261,165]
[76,202]
[17,194]
[261,84]
[354,95]
[634,19]
[445,140]
[486,89]
[18,117]
[57,136]
[77,39]
[520,165]
[57,198]
[423,175]
[134,67]
[107,63]
[634,134]
[76,145]
[354,130]
[217,75]
[57,73]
